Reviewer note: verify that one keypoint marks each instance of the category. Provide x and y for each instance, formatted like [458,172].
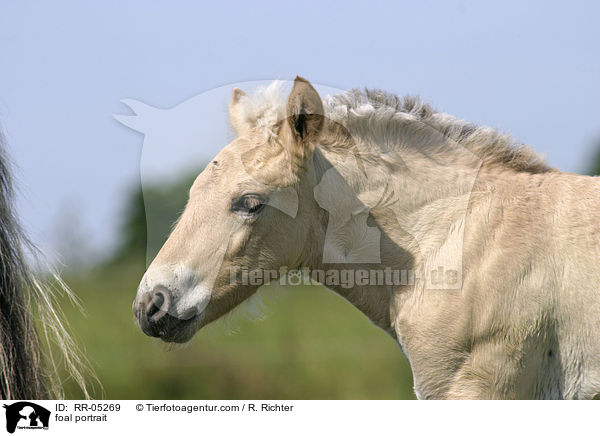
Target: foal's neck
[390,215]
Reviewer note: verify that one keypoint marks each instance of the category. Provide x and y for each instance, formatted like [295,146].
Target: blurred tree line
[594,163]
[150,213]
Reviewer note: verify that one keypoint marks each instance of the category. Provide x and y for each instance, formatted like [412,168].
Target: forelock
[265,109]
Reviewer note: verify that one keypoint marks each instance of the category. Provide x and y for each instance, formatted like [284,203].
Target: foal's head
[252,207]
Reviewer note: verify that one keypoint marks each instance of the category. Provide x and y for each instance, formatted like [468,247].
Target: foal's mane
[382,118]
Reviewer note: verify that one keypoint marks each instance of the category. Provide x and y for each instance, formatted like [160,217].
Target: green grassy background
[310,343]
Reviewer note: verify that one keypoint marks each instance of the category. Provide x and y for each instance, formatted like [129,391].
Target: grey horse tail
[28,368]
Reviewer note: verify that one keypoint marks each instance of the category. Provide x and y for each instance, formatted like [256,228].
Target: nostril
[158,306]
[155,304]
[152,311]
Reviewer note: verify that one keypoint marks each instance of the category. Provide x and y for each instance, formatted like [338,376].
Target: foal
[479,259]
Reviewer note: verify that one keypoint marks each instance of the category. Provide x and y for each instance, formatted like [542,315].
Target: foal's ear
[236,112]
[304,113]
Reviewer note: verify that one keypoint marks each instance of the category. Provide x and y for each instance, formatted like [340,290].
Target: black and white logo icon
[26,415]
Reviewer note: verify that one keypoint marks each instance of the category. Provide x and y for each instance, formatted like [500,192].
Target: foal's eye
[249,204]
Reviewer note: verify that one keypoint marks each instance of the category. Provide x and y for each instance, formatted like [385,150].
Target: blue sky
[528,68]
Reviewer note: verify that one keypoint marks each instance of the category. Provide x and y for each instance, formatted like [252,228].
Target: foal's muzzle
[152,313]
